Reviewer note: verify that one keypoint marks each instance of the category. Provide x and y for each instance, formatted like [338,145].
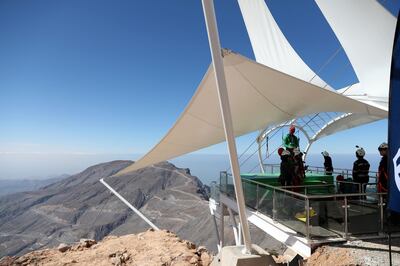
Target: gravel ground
[367,252]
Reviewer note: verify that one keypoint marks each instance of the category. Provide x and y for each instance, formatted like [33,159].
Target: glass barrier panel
[223,180]
[372,188]
[319,190]
[230,187]
[326,218]
[264,200]
[290,211]
[214,191]
[363,216]
[250,193]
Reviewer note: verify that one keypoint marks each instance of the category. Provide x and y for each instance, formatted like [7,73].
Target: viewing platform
[321,210]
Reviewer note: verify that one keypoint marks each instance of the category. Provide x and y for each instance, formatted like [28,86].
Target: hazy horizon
[205,166]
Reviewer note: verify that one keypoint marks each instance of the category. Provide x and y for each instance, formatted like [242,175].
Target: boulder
[63,247]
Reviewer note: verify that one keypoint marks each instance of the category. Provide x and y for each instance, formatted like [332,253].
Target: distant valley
[9,186]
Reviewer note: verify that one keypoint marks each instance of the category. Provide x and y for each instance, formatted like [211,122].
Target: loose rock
[63,247]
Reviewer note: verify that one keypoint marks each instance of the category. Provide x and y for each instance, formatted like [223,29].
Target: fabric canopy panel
[347,121]
[366,31]
[270,46]
[258,95]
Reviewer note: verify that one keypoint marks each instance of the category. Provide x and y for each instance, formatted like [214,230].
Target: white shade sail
[365,29]
[258,95]
[270,46]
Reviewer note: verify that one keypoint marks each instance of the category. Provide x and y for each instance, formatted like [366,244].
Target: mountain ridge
[81,207]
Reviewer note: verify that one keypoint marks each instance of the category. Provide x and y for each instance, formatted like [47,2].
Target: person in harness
[361,169]
[287,168]
[299,171]
[383,169]
[327,163]
[290,141]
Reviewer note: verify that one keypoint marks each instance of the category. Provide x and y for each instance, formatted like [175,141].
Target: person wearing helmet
[287,170]
[383,169]
[361,169]
[280,150]
[299,171]
[327,163]
[290,141]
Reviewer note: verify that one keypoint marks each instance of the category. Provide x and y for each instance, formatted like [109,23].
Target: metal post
[234,227]
[256,197]
[213,38]
[307,209]
[260,159]
[274,205]
[129,205]
[216,230]
[381,204]
[346,229]
[222,226]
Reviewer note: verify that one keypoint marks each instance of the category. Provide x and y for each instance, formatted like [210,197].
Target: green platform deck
[311,179]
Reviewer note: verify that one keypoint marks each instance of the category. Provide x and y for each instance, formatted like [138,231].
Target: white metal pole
[213,38]
[129,205]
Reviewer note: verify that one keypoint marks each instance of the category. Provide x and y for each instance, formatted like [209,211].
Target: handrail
[274,188]
[308,200]
[312,196]
[309,186]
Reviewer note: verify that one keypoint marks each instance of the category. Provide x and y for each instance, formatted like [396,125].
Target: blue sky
[111,77]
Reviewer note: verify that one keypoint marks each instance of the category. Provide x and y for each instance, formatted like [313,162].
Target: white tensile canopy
[258,96]
[281,86]
[365,30]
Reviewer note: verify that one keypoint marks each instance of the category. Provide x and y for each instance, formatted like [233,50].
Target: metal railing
[316,211]
[346,173]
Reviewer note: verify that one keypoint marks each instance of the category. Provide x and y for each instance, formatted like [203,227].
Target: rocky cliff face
[81,207]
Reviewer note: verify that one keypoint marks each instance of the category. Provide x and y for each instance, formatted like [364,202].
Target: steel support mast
[216,54]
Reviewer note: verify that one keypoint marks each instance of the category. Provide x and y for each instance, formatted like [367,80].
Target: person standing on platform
[361,169]
[327,163]
[299,171]
[287,169]
[383,168]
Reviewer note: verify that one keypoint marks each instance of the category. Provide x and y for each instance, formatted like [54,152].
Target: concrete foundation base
[233,256]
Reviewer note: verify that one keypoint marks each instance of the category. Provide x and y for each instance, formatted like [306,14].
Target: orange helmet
[292,129]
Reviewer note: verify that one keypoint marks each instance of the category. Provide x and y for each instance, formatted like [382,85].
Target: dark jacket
[287,171]
[383,175]
[361,171]
[328,165]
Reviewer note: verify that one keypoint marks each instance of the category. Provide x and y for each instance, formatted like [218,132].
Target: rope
[327,62]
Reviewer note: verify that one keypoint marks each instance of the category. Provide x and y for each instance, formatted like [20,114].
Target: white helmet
[325,153]
[296,151]
[360,152]
[285,153]
[383,146]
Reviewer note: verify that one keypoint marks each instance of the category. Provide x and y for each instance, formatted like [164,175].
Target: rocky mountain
[81,207]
